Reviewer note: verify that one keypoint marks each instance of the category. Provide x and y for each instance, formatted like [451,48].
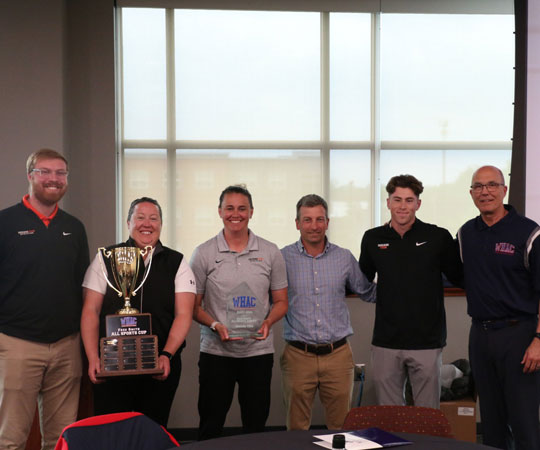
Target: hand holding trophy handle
[125,269]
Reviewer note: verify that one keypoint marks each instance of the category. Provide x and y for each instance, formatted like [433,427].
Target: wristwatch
[166,353]
[213,325]
[537,335]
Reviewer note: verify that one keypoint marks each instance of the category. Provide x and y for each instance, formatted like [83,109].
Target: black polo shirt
[410,298]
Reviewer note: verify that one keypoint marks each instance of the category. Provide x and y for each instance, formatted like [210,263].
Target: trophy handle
[147,249]
[103,251]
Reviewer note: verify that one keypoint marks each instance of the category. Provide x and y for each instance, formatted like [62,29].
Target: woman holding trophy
[166,291]
[235,272]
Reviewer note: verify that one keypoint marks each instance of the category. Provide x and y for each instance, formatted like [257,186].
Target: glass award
[245,312]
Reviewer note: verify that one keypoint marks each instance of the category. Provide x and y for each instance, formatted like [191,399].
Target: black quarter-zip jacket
[410,311]
[41,272]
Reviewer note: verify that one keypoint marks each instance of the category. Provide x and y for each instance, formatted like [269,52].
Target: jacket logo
[26,232]
[418,244]
[383,246]
[504,248]
[65,233]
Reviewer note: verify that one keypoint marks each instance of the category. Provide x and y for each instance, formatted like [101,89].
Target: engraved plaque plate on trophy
[245,313]
[119,325]
[128,356]
[129,347]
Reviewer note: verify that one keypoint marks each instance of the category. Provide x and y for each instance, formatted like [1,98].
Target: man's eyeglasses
[491,187]
[46,173]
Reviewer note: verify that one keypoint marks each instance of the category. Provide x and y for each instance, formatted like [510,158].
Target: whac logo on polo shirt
[504,248]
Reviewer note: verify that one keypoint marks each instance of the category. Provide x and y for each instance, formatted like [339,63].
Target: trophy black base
[128,355]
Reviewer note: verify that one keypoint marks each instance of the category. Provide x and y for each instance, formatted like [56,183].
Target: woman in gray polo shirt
[236,270]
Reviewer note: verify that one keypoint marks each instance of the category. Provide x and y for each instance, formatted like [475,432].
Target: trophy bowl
[125,264]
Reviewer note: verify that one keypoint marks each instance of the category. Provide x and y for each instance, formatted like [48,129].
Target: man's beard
[47,197]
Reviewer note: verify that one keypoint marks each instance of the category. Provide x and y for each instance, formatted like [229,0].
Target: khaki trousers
[47,373]
[303,373]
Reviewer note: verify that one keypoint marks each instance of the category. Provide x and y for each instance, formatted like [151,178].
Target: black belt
[318,349]
[496,324]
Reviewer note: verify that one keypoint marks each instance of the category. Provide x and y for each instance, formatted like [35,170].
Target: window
[239,79]
[292,103]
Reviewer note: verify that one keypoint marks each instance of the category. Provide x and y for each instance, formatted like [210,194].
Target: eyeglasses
[46,173]
[491,187]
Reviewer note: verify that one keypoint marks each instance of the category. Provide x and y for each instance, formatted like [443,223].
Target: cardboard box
[462,417]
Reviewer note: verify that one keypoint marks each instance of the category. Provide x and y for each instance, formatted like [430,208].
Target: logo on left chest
[505,248]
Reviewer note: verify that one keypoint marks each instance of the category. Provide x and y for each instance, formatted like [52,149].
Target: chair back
[400,419]
[119,431]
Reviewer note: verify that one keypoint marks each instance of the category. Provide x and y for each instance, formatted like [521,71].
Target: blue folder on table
[381,437]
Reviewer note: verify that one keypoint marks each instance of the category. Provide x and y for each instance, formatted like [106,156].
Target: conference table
[303,440]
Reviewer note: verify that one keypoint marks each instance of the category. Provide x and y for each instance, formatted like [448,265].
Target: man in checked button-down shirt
[317,324]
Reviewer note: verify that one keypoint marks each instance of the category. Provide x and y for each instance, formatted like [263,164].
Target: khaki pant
[48,373]
[303,373]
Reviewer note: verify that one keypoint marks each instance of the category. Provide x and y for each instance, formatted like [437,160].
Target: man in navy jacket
[501,257]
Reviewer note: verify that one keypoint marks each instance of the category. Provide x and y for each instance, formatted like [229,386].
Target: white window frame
[325,144]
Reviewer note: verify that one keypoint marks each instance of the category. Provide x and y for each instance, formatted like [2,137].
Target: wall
[57,90]
[31,88]
[90,117]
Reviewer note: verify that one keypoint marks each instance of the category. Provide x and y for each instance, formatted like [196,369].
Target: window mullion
[171,128]
[119,45]
[375,118]
[325,104]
